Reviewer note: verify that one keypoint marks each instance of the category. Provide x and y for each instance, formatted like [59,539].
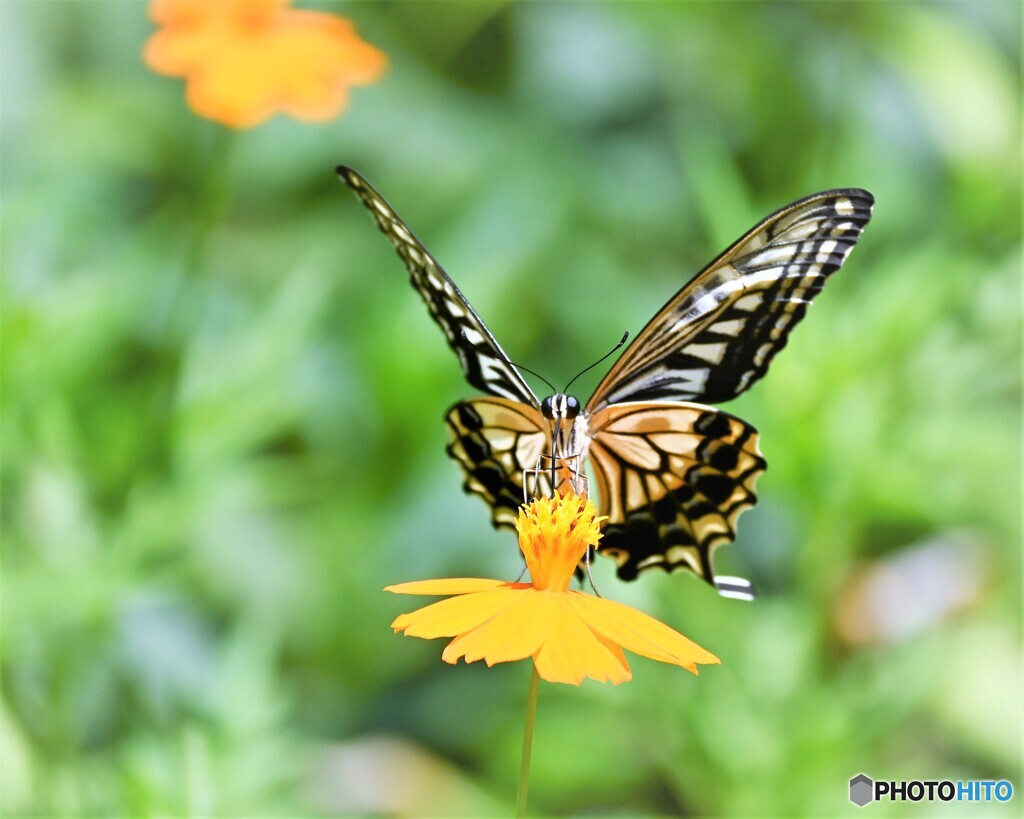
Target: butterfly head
[558,406]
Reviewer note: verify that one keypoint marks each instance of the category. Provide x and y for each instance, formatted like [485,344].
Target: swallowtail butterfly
[673,474]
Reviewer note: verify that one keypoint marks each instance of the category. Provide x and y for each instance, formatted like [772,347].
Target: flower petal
[638,632]
[457,615]
[513,634]
[452,585]
[247,60]
[573,652]
[614,648]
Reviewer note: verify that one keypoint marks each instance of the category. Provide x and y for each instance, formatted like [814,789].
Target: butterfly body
[673,474]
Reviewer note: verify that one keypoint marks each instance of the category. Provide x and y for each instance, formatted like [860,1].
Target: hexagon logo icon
[862,790]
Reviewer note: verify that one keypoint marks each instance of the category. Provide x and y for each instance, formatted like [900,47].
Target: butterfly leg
[534,483]
[579,482]
[536,472]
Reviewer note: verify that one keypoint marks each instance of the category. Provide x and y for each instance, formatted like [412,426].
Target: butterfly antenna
[517,366]
[531,372]
[622,341]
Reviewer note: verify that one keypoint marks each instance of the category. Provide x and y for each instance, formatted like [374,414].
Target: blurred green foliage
[222,407]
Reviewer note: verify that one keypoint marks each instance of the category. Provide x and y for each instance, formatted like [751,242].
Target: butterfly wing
[672,478]
[718,334]
[494,440]
[483,361]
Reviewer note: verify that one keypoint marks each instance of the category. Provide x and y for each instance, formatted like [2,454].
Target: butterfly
[673,474]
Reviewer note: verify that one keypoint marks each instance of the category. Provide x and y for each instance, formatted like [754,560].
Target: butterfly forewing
[718,334]
[483,361]
[673,479]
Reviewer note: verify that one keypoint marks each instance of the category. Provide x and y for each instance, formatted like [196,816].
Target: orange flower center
[554,534]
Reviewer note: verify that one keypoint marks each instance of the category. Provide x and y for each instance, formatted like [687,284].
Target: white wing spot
[749,303]
[693,380]
[768,276]
[730,328]
[712,353]
[456,310]
[844,207]
[472,336]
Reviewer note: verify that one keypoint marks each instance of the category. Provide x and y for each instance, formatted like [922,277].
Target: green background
[222,410]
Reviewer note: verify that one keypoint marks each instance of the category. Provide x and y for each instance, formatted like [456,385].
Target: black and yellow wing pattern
[672,474]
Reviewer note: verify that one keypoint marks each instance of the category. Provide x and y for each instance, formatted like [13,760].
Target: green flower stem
[208,207]
[524,768]
[213,197]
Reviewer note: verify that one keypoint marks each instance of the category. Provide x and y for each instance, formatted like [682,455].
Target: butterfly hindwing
[483,361]
[718,334]
[673,479]
[494,440]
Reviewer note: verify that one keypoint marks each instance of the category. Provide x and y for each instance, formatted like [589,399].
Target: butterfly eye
[572,407]
[547,407]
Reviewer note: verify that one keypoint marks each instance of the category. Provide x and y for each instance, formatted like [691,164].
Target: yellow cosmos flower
[570,635]
[246,60]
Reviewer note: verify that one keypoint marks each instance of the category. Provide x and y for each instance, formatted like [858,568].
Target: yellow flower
[570,635]
[246,60]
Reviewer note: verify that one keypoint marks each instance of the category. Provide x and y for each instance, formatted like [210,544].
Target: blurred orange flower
[570,635]
[246,60]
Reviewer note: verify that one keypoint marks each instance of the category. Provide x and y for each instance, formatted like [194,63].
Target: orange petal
[614,648]
[250,59]
[639,633]
[515,633]
[452,585]
[180,12]
[447,618]
[164,53]
[573,652]
[196,12]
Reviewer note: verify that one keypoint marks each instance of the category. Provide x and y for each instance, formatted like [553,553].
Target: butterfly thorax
[568,441]
[568,424]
